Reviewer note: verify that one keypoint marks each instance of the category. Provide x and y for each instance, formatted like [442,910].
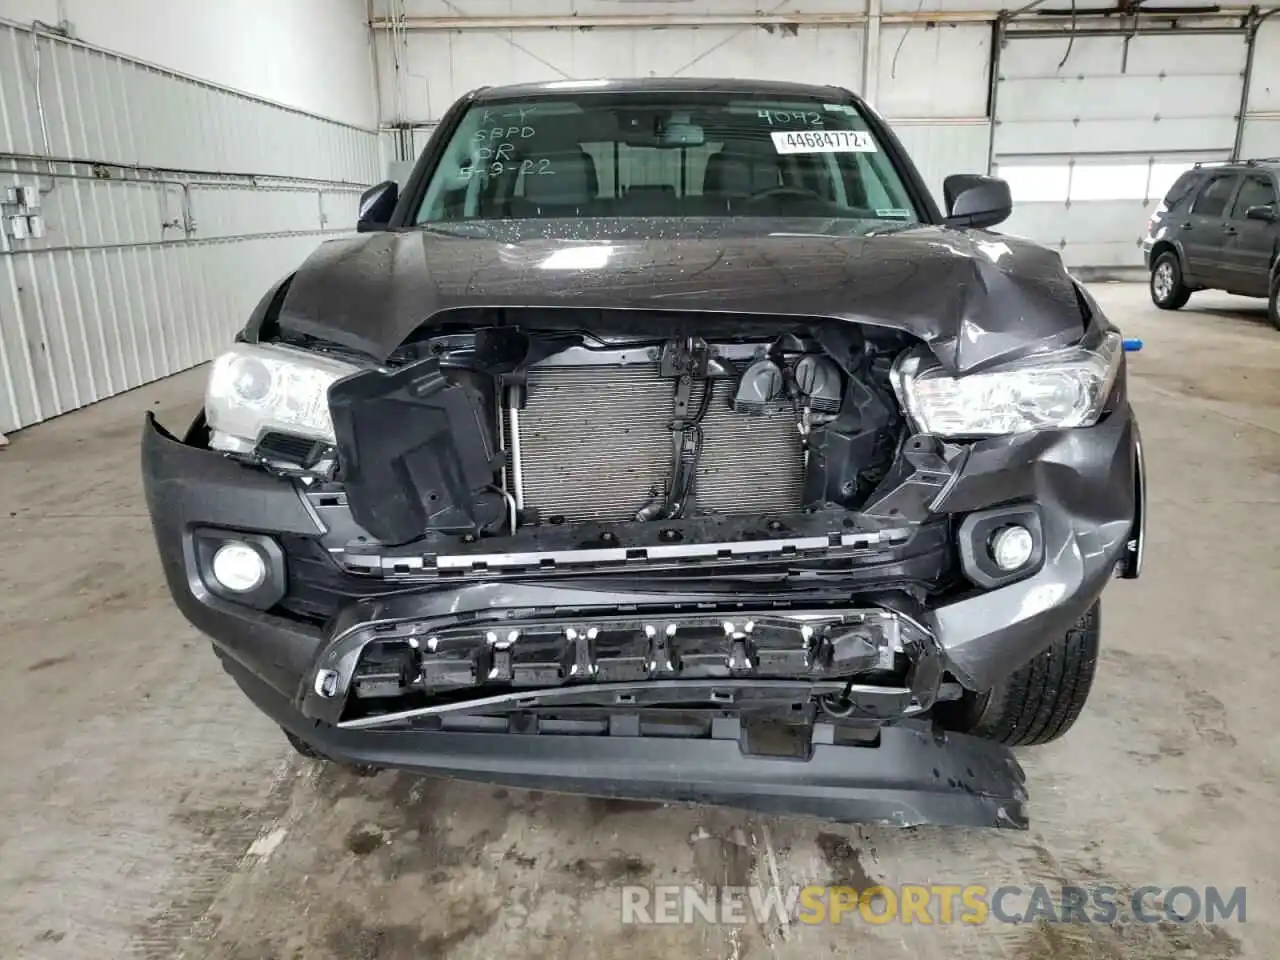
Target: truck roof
[778,88]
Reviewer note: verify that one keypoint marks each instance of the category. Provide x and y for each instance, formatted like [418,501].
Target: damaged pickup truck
[662,439]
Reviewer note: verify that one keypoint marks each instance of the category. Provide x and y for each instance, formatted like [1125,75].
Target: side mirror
[376,205]
[973,200]
[1266,211]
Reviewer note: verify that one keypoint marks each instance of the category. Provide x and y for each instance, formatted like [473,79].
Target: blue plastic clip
[1132,346]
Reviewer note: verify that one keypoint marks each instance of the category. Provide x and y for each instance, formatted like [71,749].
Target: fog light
[1011,547]
[239,567]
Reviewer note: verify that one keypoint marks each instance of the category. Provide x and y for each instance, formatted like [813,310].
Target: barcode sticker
[823,141]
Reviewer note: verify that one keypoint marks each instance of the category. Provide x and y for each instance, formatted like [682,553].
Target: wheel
[1041,700]
[1168,292]
[1273,302]
[301,745]
[308,751]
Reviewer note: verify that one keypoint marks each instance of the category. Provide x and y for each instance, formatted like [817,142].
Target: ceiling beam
[1028,12]
[615,21]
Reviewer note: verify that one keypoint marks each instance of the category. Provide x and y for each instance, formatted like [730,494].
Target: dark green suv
[1218,228]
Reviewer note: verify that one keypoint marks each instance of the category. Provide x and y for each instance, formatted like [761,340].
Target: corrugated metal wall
[933,85]
[169,206]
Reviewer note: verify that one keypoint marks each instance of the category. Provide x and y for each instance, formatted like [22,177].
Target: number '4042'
[808,117]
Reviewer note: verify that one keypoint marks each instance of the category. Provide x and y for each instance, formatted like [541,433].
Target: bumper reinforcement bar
[382,657]
[736,695]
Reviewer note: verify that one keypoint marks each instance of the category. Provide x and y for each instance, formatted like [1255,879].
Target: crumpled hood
[975,297]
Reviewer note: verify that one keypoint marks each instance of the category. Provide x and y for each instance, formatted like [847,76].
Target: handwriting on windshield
[530,167]
[506,134]
[782,118]
[521,114]
[494,153]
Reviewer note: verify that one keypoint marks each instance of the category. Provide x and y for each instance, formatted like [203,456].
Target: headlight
[1066,388]
[259,388]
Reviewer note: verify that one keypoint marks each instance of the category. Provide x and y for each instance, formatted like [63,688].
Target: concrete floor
[147,810]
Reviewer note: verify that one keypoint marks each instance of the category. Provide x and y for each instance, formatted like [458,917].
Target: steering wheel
[770,193]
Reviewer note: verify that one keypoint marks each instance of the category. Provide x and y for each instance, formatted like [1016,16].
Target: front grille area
[596,445]
[318,588]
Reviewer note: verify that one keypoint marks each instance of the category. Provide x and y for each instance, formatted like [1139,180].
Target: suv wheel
[1273,302]
[1168,292]
[1040,701]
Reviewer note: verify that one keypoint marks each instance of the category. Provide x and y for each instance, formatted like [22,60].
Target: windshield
[629,155]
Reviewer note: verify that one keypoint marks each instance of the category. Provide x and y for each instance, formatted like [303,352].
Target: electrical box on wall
[26,198]
[18,228]
[20,213]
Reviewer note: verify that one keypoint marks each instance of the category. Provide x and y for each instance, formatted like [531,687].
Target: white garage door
[1262,121]
[1089,147]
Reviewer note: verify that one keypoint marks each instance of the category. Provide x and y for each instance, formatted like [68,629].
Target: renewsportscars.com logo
[935,903]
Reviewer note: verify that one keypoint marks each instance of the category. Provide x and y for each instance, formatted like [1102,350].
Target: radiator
[595,445]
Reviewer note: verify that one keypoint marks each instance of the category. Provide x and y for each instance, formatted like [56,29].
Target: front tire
[301,746]
[1168,292]
[1273,302]
[310,752]
[1041,700]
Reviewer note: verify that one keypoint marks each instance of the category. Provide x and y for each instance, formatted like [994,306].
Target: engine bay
[481,433]
[664,431]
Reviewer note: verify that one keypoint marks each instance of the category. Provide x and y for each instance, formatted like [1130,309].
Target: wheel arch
[1161,247]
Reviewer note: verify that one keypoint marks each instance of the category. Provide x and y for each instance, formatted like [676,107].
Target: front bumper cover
[1089,488]
[1089,485]
[910,777]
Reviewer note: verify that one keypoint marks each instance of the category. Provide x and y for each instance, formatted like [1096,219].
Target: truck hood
[975,297]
